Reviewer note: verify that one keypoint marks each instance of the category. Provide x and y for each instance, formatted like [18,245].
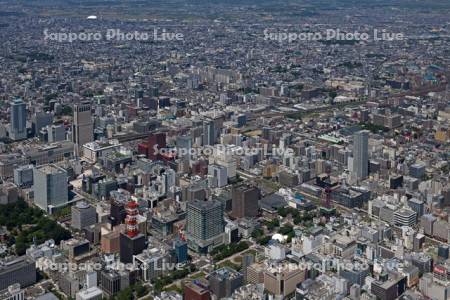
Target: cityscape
[237,150]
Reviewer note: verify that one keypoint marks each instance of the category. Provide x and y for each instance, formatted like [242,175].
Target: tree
[298,219]
[228,250]
[272,224]
[18,214]
[263,241]
[126,294]
[294,212]
[258,232]
[140,290]
[282,211]
[286,229]
[21,245]
[67,111]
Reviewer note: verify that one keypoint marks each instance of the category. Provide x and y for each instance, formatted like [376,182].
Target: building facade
[18,119]
[50,187]
[361,154]
[205,225]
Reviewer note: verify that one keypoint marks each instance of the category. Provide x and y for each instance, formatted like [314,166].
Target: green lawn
[198,275]
[229,264]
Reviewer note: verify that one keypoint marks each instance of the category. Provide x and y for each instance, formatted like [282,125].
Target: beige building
[110,239]
[83,126]
[94,151]
[282,280]
[255,273]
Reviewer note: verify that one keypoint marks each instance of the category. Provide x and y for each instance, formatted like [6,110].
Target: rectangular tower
[205,225]
[83,126]
[18,119]
[50,187]
[361,154]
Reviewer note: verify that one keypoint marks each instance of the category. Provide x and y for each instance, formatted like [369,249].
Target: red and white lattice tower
[131,219]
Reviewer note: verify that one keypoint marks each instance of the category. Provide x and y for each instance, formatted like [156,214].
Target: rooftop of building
[50,169]
[225,273]
[197,286]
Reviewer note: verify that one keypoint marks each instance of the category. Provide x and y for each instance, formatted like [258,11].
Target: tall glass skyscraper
[361,154]
[18,119]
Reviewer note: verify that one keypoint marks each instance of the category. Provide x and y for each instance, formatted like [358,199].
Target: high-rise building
[130,246]
[152,147]
[54,133]
[433,288]
[245,201]
[40,120]
[282,280]
[364,115]
[205,225]
[156,142]
[223,282]
[389,289]
[231,233]
[50,187]
[255,273]
[209,133]
[247,260]
[110,242]
[69,283]
[181,250]
[117,212]
[354,276]
[422,261]
[417,170]
[91,279]
[83,127]
[417,205]
[184,146]
[219,176]
[21,270]
[427,222]
[355,292]
[405,217]
[9,193]
[151,263]
[196,290]
[361,154]
[18,119]
[83,215]
[23,176]
[111,282]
